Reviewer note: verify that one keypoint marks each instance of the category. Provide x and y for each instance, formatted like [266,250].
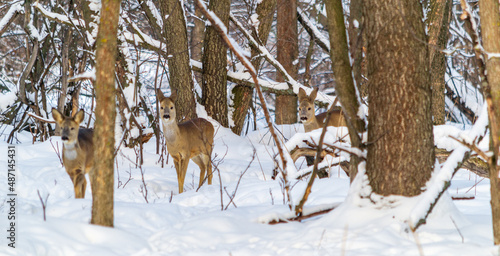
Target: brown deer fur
[78,149]
[307,113]
[192,139]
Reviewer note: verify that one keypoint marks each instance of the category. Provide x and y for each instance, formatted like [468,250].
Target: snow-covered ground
[193,223]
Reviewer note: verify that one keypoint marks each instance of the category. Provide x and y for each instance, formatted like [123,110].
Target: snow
[9,97]
[254,21]
[192,223]
[356,23]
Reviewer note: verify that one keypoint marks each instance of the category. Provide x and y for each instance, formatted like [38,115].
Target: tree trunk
[104,134]
[400,139]
[288,52]
[243,94]
[197,35]
[214,82]
[61,102]
[356,44]
[490,27]
[181,79]
[344,78]
[438,23]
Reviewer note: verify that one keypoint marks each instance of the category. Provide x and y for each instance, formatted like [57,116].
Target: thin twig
[460,233]
[300,206]
[58,153]
[239,180]
[474,148]
[44,204]
[248,65]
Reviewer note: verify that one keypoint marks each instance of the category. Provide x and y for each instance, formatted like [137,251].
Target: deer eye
[300,108]
[309,109]
[72,128]
[161,107]
[171,107]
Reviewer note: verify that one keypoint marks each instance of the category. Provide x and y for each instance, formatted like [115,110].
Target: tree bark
[214,81]
[197,34]
[400,138]
[344,86]
[438,23]
[181,79]
[490,20]
[356,44]
[104,136]
[243,94]
[288,52]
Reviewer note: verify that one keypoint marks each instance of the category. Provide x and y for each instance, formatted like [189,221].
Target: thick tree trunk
[288,52]
[400,139]
[490,20]
[181,79]
[243,94]
[438,23]
[344,78]
[104,134]
[214,81]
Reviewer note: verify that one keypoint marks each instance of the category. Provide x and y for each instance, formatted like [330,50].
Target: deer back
[198,134]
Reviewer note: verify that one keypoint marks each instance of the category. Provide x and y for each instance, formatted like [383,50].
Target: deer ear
[313,95]
[173,95]
[302,94]
[159,94]
[79,116]
[58,117]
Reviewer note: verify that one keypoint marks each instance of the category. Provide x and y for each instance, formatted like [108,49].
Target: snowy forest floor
[192,223]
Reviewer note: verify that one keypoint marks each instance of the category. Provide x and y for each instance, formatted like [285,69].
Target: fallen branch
[303,217]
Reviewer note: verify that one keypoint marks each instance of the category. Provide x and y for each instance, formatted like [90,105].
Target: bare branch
[222,32]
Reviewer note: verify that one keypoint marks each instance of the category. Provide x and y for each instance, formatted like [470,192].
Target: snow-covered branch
[312,30]
[9,17]
[58,17]
[441,177]
[269,58]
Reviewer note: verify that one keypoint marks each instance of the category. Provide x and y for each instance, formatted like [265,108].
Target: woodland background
[397,68]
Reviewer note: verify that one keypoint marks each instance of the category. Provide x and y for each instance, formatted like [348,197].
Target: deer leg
[177,163]
[208,164]
[80,183]
[72,176]
[198,160]
[181,173]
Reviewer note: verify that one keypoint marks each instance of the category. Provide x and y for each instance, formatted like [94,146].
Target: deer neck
[70,150]
[170,130]
[311,124]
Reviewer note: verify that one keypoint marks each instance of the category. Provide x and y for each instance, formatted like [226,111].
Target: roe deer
[308,117]
[192,139]
[78,149]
